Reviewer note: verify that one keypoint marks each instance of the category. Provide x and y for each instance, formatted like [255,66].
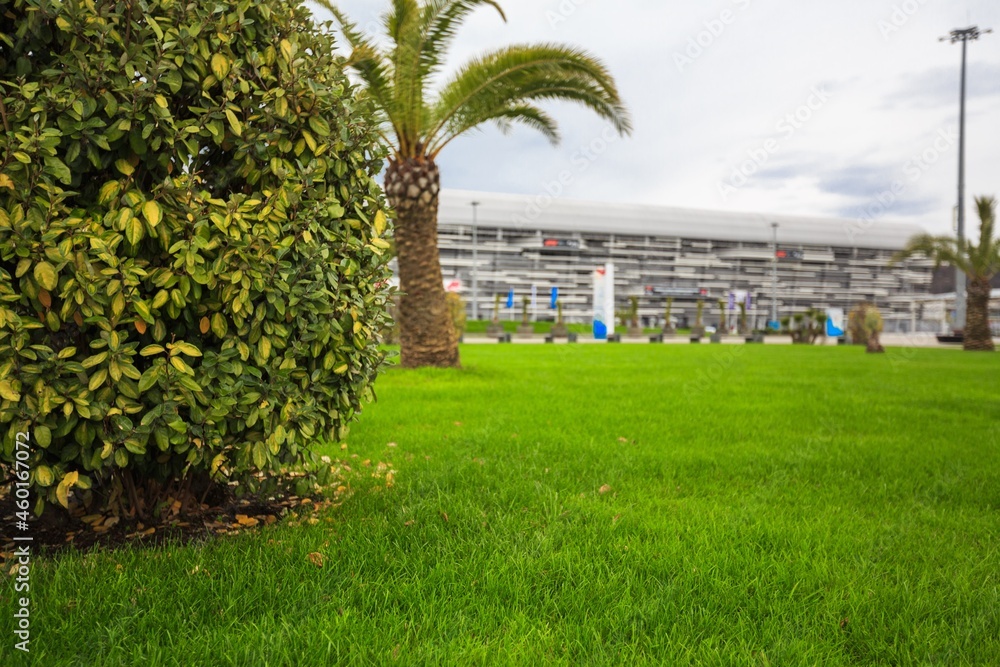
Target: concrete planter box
[525,330]
[695,339]
[716,338]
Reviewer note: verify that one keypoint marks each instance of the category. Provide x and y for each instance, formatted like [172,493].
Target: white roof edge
[552,214]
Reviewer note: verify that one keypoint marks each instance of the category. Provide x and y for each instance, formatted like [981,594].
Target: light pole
[475,264]
[774,274]
[964,36]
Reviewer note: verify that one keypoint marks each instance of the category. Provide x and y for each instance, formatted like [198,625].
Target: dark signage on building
[682,292]
[562,244]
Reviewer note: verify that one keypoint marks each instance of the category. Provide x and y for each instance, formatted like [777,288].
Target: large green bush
[192,265]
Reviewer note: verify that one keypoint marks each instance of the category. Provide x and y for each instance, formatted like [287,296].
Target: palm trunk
[427,335]
[977,317]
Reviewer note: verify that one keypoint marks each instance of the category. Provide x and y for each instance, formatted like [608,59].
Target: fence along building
[688,254]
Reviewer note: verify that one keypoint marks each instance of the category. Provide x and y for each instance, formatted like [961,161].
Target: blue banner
[510,298]
[554,298]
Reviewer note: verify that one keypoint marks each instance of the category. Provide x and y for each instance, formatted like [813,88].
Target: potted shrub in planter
[456,308]
[494,328]
[805,328]
[698,330]
[668,325]
[717,335]
[873,327]
[526,328]
[634,329]
[559,329]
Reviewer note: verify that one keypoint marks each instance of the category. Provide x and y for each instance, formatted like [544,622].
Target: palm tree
[503,87]
[980,263]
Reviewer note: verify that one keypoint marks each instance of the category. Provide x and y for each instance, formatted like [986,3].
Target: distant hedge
[192,266]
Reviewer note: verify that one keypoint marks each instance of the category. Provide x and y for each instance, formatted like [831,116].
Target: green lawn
[767,506]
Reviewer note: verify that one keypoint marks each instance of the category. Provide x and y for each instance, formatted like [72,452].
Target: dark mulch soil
[55,531]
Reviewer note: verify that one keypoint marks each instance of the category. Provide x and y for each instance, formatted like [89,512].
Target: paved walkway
[890,340]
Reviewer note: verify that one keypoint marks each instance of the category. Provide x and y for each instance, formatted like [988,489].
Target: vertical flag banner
[732,301]
[835,325]
[510,298]
[749,301]
[554,298]
[604,301]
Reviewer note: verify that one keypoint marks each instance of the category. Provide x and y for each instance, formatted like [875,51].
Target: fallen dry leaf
[391,444]
[409,523]
[316,558]
[444,515]
[604,489]
[622,439]
[245,520]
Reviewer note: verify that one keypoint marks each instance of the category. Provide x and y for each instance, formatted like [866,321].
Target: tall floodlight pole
[964,36]
[475,263]
[774,274]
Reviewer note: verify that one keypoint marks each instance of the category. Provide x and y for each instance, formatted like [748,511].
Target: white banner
[604,301]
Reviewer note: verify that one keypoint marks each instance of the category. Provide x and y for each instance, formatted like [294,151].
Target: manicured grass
[767,506]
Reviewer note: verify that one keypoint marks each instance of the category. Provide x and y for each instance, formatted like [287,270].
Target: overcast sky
[774,106]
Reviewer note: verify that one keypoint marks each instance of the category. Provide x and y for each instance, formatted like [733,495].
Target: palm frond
[986,256]
[490,85]
[442,19]
[530,116]
[939,249]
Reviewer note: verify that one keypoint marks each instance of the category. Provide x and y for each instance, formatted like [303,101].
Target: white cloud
[892,87]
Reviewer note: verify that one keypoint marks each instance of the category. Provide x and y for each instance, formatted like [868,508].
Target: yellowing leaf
[44,476]
[380,222]
[286,49]
[124,166]
[187,348]
[219,325]
[46,275]
[179,364]
[8,392]
[234,123]
[151,211]
[204,325]
[62,491]
[340,370]
[134,231]
[6,182]
[220,66]
[319,126]
[43,436]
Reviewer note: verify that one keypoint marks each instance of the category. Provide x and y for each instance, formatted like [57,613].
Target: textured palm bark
[977,317]
[427,335]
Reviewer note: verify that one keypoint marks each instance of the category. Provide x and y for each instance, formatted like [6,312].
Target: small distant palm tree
[980,263]
[503,87]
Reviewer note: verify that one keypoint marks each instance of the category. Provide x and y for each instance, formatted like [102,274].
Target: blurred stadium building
[532,244]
